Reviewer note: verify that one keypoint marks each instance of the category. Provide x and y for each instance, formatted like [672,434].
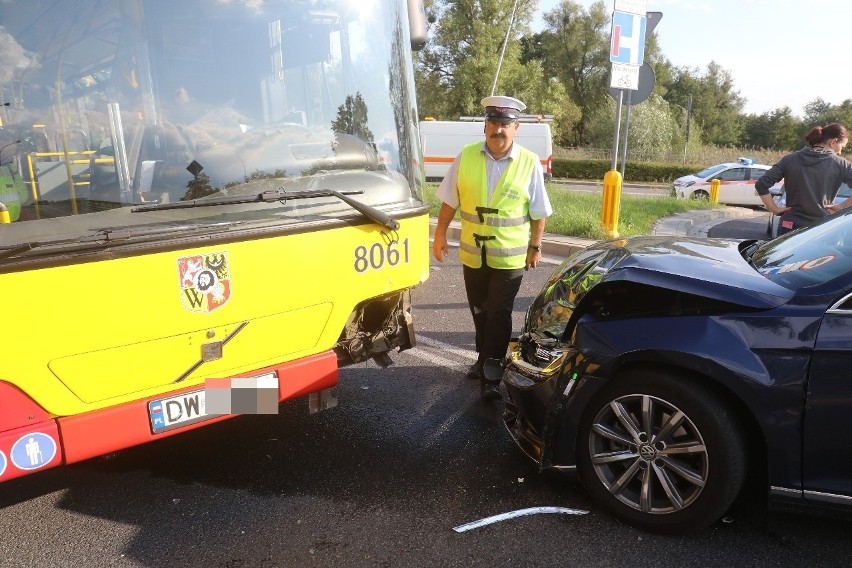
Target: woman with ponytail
[811,177]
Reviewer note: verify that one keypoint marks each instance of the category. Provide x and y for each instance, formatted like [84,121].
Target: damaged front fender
[375,327]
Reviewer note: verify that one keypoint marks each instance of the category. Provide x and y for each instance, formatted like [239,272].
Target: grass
[578,214]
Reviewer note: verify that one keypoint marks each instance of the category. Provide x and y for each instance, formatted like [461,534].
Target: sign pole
[626,131]
[617,129]
[627,50]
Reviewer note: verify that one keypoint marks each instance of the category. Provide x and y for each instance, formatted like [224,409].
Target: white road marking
[431,357]
[465,354]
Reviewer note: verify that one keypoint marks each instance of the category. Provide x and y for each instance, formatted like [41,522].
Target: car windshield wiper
[281,195]
[751,248]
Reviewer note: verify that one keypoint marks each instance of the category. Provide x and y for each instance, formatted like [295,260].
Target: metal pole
[617,129]
[503,50]
[626,130]
[688,112]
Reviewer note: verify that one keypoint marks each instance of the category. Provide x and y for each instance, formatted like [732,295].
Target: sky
[779,52]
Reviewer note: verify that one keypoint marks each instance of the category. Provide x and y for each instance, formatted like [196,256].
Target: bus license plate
[177,411]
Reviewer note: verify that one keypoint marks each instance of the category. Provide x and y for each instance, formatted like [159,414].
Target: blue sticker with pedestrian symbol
[3,463]
[33,450]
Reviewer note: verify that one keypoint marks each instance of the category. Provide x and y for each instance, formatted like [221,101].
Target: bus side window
[104,189]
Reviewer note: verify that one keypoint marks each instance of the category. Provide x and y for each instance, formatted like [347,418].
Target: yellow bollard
[4,215]
[714,191]
[611,202]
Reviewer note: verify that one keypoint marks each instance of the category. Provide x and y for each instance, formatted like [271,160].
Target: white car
[843,193]
[737,183]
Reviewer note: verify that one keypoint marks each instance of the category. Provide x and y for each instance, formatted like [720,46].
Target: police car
[736,187]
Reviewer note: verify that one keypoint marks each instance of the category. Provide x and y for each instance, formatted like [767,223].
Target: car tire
[679,479]
[700,194]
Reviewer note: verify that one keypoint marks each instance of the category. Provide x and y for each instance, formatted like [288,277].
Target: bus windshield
[113,111]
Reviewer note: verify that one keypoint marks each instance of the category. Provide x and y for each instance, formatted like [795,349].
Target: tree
[652,133]
[821,112]
[575,49]
[816,110]
[352,118]
[778,129]
[198,187]
[716,105]
[458,66]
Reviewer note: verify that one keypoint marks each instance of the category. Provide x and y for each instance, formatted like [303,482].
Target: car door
[734,185]
[750,196]
[827,471]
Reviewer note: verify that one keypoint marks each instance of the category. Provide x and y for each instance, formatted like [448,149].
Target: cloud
[13,57]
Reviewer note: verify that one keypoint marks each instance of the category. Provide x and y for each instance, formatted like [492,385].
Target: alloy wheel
[648,454]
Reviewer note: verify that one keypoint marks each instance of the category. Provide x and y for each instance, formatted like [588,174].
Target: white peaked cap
[503,102]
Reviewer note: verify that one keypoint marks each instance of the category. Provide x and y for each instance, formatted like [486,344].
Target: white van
[442,140]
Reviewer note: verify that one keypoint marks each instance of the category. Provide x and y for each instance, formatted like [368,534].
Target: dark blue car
[669,371]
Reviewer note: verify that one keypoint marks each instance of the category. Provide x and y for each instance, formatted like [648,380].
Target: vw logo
[647,452]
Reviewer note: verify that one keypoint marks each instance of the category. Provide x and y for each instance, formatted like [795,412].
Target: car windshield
[710,171]
[808,257]
[111,107]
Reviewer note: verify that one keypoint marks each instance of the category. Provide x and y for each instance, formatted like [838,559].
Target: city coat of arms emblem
[205,281]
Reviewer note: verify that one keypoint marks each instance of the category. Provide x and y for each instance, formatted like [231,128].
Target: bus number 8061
[378,254]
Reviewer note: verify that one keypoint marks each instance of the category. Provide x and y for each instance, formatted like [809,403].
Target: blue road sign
[628,39]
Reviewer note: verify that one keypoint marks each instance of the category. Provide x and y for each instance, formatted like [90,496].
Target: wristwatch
[536,248]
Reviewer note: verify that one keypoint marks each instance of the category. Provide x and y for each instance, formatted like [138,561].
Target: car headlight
[548,361]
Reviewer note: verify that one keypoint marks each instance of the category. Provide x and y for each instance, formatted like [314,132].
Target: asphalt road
[410,452]
[751,228]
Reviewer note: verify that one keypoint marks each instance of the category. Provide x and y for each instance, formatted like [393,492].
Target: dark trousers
[787,225]
[491,296]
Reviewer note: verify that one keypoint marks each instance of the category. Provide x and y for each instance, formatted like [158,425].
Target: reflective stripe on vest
[501,226]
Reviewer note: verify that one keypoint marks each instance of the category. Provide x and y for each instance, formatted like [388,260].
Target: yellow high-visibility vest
[501,226]
[13,192]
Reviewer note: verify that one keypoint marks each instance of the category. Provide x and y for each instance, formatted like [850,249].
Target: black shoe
[475,371]
[490,391]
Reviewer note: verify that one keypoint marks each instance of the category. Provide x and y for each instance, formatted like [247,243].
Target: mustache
[500,136]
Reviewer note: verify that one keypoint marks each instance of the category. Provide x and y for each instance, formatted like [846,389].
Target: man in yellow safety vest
[13,192]
[499,188]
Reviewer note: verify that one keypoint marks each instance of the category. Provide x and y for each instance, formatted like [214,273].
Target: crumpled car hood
[709,268]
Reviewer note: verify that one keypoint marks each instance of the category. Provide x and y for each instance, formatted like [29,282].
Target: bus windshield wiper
[16,250]
[368,211]
[281,195]
[103,238]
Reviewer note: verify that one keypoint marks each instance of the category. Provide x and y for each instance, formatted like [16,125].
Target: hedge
[648,172]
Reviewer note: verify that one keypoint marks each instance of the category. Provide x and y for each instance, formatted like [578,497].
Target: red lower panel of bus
[32,441]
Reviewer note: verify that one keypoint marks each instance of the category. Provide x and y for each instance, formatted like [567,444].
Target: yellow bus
[198,191]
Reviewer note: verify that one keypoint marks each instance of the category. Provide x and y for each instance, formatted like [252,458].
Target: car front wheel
[661,452]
